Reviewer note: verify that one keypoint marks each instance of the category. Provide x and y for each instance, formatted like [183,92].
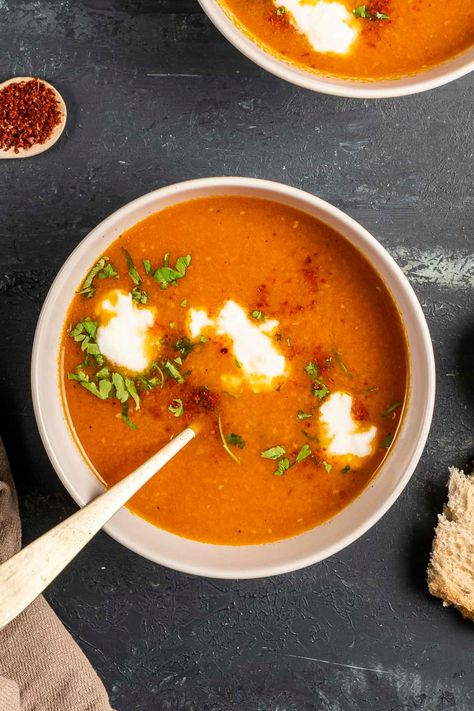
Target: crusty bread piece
[451,567]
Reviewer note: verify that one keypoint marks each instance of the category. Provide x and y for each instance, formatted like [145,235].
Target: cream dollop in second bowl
[447,71]
[205,559]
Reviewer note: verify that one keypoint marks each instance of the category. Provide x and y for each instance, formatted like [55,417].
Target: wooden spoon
[37,148]
[29,572]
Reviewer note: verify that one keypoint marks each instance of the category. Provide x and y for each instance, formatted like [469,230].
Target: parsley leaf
[362,11]
[176,407]
[320,390]
[235,440]
[141,297]
[173,371]
[108,272]
[342,365]
[147,266]
[391,408]
[132,270]
[166,275]
[126,418]
[346,469]
[184,346]
[258,315]
[282,466]
[327,466]
[387,441]
[273,452]
[304,452]
[87,290]
[301,415]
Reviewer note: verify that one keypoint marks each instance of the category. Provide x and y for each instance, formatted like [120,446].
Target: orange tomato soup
[259,325]
[389,38]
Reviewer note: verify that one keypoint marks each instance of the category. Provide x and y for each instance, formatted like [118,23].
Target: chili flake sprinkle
[29,111]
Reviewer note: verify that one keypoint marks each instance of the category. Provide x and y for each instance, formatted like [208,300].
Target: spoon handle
[29,572]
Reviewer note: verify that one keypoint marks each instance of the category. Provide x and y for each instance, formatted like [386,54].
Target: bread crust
[451,566]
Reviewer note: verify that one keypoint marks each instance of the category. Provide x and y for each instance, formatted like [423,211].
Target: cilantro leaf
[304,452]
[363,12]
[166,275]
[184,346]
[132,270]
[173,371]
[176,407]
[235,440]
[301,415]
[273,452]
[327,466]
[87,290]
[282,466]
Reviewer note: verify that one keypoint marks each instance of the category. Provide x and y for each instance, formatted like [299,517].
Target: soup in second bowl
[263,328]
[383,39]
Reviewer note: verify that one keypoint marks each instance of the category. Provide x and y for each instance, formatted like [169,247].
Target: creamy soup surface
[263,328]
[382,39]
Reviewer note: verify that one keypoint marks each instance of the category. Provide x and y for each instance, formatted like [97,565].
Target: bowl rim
[443,73]
[283,193]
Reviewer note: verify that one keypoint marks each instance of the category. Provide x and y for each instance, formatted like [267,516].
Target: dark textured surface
[156,95]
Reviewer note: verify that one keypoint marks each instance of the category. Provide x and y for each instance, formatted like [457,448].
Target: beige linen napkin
[41,667]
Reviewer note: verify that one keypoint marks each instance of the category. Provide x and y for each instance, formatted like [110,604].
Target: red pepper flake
[29,111]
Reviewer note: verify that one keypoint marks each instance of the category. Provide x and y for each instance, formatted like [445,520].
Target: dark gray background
[156,95]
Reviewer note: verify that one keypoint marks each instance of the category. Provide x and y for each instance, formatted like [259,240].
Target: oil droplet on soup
[262,325]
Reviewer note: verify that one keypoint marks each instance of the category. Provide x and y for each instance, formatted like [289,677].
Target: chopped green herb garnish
[166,275]
[141,297]
[184,346]
[237,363]
[126,418]
[313,438]
[176,407]
[172,324]
[362,11]
[132,270]
[273,452]
[87,290]
[203,339]
[391,408]
[107,272]
[345,469]
[303,415]
[85,332]
[147,383]
[259,315]
[304,452]
[224,442]
[147,266]
[320,392]
[280,11]
[387,441]
[178,360]
[312,370]
[173,371]
[327,466]
[282,466]
[155,366]
[235,440]
[342,365]
[184,303]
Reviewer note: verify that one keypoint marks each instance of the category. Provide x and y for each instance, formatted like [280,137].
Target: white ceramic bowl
[439,75]
[229,561]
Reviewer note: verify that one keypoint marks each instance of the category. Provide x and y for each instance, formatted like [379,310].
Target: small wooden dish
[37,148]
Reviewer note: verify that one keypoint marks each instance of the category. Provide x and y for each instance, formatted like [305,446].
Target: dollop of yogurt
[253,347]
[345,435]
[328,26]
[123,333]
